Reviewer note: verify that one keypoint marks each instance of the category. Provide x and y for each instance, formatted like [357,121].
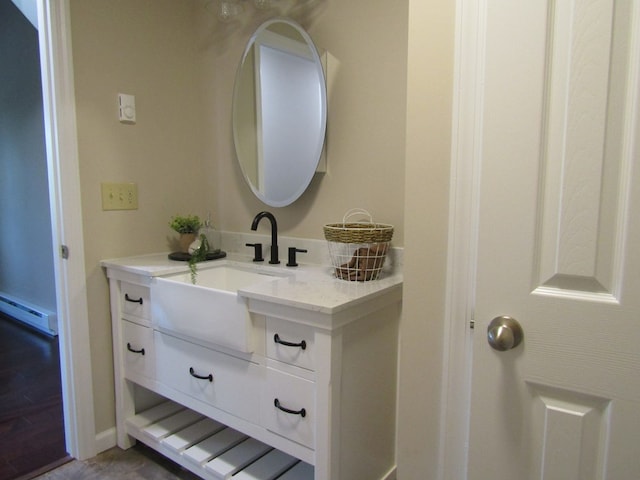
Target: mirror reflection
[279,112]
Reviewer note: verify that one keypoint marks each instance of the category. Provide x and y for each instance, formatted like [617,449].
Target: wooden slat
[193,434]
[267,467]
[154,414]
[213,446]
[301,471]
[172,424]
[234,460]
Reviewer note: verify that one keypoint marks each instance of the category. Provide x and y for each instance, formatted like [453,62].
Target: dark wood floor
[31,422]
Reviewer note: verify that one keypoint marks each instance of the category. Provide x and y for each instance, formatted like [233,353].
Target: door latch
[64,251]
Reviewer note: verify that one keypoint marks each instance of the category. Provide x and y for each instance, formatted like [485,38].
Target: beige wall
[428,144]
[388,151]
[180,62]
[144,48]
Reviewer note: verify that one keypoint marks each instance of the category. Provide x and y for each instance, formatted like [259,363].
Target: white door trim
[66,220]
[463,227]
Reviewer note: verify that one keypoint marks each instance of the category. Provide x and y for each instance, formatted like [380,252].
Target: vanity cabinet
[315,399]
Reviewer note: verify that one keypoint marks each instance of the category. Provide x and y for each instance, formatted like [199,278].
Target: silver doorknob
[504,333]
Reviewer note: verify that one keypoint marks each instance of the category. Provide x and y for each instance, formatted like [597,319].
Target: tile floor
[137,463]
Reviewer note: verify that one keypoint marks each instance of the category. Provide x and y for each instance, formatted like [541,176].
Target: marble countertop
[307,286]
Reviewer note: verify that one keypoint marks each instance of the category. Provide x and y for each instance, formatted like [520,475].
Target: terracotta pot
[186,239]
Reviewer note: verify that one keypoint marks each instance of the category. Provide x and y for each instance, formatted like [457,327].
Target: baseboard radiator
[37,317]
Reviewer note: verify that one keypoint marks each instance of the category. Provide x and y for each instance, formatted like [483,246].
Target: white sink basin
[224,277]
[210,310]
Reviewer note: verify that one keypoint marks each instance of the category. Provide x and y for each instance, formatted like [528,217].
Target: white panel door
[558,242]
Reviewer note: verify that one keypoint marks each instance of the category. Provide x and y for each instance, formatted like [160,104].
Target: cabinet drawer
[291,343]
[138,350]
[288,407]
[226,382]
[134,300]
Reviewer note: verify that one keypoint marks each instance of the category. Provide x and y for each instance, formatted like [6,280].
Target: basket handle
[356,211]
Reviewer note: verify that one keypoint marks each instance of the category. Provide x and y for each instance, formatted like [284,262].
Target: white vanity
[280,373]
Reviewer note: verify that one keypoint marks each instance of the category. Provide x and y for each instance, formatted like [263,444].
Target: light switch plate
[127,108]
[119,196]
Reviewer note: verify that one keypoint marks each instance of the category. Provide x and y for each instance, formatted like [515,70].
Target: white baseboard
[391,475]
[106,439]
[33,315]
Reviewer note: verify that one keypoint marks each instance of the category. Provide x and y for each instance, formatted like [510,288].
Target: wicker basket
[358,249]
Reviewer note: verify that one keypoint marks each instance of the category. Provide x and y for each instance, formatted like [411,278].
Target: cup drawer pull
[132,300]
[302,412]
[193,373]
[133,350]
[277,339]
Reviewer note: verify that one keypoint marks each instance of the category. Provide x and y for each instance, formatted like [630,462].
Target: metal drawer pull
[132,350]
[129,299]
[302,412]
[200,377]
[302,344]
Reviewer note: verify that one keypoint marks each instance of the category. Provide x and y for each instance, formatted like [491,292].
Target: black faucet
[257,251]
[274,233]
[292,256]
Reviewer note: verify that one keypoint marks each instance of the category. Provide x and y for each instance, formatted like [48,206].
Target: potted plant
[187,226]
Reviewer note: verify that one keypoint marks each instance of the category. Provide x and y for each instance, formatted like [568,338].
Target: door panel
[568,433]
[583,191]
[558,243]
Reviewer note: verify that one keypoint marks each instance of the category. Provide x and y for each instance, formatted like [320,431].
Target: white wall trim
[29,9]
[463,221]
[56,66]
[106,439]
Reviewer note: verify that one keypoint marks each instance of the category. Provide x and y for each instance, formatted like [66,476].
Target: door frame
[466,145]
[56,65]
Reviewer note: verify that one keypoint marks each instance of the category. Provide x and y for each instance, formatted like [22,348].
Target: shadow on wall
[221,34]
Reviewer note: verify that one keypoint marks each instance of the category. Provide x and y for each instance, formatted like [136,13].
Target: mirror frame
[314,151]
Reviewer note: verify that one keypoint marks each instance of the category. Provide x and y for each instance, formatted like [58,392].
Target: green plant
[198,255]
[185,224]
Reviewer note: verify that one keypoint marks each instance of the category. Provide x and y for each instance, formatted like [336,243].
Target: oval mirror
[279,112]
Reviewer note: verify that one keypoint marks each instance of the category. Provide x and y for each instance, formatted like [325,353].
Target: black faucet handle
[257,251]
[292,256]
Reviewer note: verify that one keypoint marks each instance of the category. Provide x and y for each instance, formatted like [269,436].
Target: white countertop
[307,286]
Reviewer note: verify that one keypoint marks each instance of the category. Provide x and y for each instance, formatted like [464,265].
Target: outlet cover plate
[119,196]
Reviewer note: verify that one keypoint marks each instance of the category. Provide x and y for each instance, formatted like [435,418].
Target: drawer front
[135,300]
[226,382]
[139,354]
[291,343]
[288,407]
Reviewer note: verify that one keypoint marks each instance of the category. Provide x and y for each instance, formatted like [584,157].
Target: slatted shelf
[210,449]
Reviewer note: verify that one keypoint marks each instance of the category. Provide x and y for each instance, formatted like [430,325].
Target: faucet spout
[274,233]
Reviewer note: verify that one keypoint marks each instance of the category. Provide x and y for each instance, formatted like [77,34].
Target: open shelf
[210,449]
